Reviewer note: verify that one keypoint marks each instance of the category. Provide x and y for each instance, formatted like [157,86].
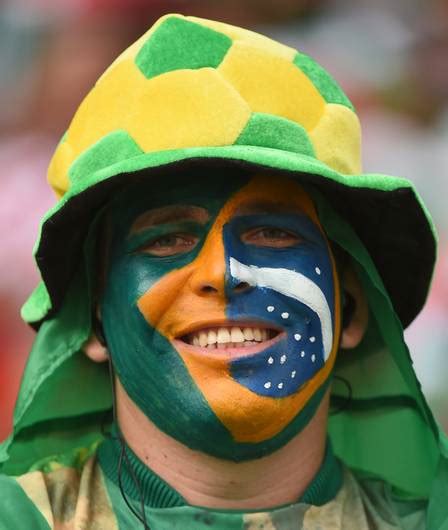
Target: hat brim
[386,213]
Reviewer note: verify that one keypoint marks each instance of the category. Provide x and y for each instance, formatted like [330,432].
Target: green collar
[158,494]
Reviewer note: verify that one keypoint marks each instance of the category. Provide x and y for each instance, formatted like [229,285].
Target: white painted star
[285,315]
[282,359]
[297,336]
[271,360]
[270,308]
[267,384]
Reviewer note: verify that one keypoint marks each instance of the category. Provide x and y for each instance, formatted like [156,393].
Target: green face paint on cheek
[149,367]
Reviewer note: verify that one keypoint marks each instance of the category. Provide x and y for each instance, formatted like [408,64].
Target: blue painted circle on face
[282,368]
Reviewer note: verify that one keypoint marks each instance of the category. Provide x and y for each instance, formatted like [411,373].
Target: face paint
[239,402]
[295,297]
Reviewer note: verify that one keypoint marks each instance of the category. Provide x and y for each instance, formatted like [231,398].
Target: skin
[170,274]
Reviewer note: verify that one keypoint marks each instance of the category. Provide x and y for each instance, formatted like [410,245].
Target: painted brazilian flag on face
[221,310]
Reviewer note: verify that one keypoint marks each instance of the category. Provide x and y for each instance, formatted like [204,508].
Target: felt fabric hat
[191,95]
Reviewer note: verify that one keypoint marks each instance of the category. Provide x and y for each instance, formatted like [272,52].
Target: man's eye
[270,237]
[170,245]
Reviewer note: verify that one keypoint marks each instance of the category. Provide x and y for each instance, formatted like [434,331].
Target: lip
[225,354]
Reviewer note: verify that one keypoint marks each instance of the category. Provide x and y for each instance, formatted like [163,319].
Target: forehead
[202,198]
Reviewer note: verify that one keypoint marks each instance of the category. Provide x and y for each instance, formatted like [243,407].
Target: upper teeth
[234,335]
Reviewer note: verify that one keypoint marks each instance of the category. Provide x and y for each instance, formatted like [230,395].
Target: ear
[95,351]
[355,324]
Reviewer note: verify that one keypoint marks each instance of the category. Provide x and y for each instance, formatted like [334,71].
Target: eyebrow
[169,214]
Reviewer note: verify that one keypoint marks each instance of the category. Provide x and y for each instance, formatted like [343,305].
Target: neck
[202,480]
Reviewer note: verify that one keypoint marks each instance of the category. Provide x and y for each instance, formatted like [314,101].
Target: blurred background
[390,57]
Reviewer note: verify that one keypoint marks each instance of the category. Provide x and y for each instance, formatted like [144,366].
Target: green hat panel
[266,130]
[178,44]
[327,86]
[112,148]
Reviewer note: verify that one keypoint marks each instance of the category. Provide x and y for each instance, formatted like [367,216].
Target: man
[241,289]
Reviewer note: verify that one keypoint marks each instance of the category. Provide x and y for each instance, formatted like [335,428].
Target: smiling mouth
[230,336]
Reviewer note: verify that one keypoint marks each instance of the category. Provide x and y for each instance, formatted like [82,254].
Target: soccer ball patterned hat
[193,91]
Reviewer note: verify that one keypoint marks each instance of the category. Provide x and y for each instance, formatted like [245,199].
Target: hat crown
[190,82]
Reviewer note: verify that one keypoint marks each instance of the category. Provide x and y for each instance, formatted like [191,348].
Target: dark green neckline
[158,494]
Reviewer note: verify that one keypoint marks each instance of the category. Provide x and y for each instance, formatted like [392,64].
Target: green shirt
[90,499]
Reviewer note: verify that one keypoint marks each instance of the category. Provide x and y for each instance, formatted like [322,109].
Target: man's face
[221,310]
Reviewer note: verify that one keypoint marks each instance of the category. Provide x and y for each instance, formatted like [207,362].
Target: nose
[208,277]
[209,286]
[211,277]
[209,268]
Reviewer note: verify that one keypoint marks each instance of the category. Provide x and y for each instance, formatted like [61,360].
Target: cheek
[127,329]
[304,345]
[146,286]
[129,278]
[122,320]
[286,288]
[170,305]
[294,292]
